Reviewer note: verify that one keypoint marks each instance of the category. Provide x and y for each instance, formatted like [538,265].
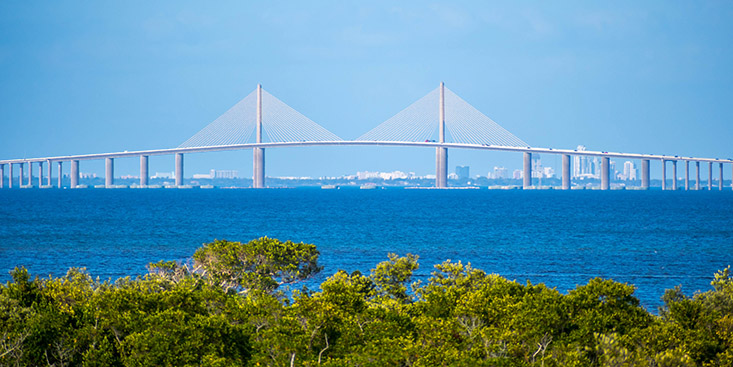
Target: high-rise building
[629,171]
[537,170]
[499,173]
[462,172]
[580,163]
[612,169]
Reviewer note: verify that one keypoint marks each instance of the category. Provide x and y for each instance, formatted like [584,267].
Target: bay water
[652,239]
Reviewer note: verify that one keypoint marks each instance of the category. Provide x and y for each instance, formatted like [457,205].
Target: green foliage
[191,316]
[391,277]
[264,263]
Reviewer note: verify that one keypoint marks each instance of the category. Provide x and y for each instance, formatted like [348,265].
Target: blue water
[652,239]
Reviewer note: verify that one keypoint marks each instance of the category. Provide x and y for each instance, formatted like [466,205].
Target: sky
[79,77]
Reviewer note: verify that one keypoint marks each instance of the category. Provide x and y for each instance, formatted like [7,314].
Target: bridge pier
[674,175]
[30,174]
[441,167]
[50,172]
[697,181]
[687,175]
[565,172]
[2,176]
[720,183]
[74,174]
[60,175]
[664,174]
[258,174]
[527,171]
[10,176]
[40,174]
[20,174]
[144,176]
[645,174]
[109,172]
[605,173]
[710,176]
[179,169]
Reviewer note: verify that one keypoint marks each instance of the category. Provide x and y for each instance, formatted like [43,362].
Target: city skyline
[638,78]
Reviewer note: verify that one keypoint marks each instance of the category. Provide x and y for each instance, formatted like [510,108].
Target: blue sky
[90,77]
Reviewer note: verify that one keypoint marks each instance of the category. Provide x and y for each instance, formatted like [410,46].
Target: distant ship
[330,187]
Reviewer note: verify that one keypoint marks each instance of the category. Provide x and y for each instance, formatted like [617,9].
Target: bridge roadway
[566,153]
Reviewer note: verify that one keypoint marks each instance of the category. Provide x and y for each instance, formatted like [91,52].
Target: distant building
[580,163]
[499,173]
[230,174]
[548,172]
[612,169]
[537,171]
[162,175]
[224,173]
[395,175]
[630,171]
[517,174]
[462,172]
[586,167]
[87,175]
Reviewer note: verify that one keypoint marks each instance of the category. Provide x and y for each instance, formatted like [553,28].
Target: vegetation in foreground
[225,309]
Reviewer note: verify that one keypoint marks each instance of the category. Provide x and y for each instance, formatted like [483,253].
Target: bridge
[261,121]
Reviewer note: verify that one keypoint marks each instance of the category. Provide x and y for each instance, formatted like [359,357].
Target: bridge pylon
[247,123]
[454,121]
[441,154]
[258,154]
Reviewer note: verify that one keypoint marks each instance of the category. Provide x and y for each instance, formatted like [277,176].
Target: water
[652,239]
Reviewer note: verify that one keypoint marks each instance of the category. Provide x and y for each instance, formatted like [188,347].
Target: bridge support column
[687,175]
[605,173]
[565,172]
[645,174]
[2,176]
[10,175]
[258,154]
[674,175]
[20,174]
[40,174]
[179,169]
[720,183]
[258,174]
[74,174]
[50,173]
[441,167]
[664,174]
[697,181]
[109,172]
[30,173]
[144,176]
[710,176]
[60,174]
[527,171]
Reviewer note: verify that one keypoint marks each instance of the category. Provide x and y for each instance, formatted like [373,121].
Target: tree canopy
[223,310]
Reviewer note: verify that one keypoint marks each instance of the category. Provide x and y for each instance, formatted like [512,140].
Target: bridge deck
[363,143]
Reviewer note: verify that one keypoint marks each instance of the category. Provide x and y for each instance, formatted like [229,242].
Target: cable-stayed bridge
[440,119]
